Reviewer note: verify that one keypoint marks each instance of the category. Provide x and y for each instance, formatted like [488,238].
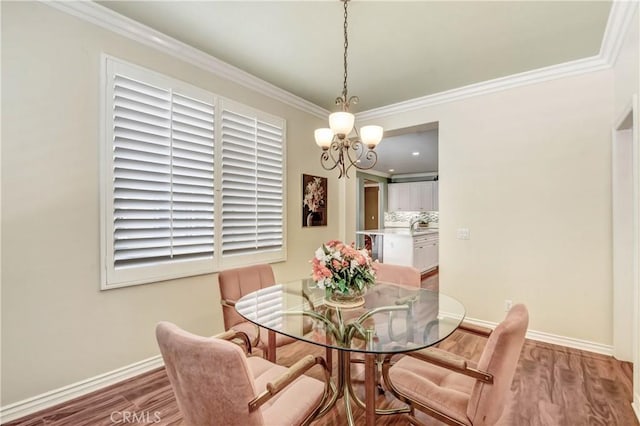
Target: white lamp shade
[371,135]
[341,123]
[323,136]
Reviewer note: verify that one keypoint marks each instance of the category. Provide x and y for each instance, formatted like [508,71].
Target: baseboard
[57,396]
[541,336]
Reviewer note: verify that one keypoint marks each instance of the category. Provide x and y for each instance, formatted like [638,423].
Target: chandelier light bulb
[341,123]
[323,136]
[371,135]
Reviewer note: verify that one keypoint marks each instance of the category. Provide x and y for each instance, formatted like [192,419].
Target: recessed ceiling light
[415,153]
[392,170]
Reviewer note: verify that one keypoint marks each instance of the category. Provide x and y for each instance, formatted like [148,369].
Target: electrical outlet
[507,305]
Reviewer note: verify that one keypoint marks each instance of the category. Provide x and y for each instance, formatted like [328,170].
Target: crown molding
[580,66]
[133,30]
[620,17]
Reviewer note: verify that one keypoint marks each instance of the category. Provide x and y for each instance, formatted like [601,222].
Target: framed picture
[314,201]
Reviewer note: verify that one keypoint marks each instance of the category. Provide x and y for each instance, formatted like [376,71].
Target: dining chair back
[455,390]
[235,283]
[499,358]
[216,384]
[238,282]
[398,274]
[206,392]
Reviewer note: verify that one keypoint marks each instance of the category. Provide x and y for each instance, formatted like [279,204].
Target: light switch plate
[463,234]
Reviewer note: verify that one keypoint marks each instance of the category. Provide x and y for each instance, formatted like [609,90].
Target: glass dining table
[393,319]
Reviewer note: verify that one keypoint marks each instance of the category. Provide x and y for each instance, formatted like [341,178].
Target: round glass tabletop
[392,319]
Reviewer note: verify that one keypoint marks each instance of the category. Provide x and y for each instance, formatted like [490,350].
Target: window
[176,201]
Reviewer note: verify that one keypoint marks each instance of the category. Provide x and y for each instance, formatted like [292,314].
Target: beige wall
[57,327]
[528,171]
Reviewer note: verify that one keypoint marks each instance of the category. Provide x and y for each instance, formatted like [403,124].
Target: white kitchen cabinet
[411,196]
[436,196]
[425,252]
[398,193]
[419,251]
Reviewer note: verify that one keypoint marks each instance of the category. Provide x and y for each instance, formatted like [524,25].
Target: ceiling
[397,151]
[397,50]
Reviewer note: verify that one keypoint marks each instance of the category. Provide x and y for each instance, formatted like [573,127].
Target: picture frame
[314,201]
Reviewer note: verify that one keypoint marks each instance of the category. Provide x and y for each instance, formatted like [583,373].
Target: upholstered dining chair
[397,274]
[216,384]
[237,282]
[455,390]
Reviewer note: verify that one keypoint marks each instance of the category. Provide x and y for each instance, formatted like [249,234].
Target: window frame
[112,277]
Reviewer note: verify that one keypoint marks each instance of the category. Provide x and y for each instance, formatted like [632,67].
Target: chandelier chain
[340,150]
[346,45]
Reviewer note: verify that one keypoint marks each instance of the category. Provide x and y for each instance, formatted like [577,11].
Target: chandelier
[340,149]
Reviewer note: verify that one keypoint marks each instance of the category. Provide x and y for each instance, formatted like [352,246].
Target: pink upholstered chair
[394,274]
[235,283]
[398,274]
[457,391]
[216,384]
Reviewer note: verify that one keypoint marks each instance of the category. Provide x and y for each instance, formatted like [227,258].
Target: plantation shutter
[163,153]
[191,183]
[252,182]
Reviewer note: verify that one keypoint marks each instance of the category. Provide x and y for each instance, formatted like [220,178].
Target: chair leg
[270,351]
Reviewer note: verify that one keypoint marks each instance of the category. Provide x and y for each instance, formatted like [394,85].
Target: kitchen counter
[398,231]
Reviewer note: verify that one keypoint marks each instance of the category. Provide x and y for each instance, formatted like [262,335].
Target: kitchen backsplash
[404,218]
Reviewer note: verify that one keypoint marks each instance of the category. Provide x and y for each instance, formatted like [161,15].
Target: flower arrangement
[342,269]
[314,195]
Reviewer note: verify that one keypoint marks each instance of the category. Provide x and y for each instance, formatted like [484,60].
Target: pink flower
[338,262]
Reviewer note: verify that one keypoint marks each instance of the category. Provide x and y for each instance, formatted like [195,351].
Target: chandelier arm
[370,157]
[327,159]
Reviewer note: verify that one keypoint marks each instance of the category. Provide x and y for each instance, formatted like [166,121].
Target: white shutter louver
[252,184]
[163,195]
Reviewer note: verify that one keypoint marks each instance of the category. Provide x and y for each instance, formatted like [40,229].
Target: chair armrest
[295,371]
[227,303]
[452,362]
[475,329]
[440,357]
[231,335]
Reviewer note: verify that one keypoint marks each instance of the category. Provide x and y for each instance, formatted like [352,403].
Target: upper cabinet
[413,196]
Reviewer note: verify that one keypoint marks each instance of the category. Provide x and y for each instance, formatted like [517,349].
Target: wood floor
[553,386]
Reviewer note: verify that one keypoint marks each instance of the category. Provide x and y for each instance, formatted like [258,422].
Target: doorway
[625,180]
[371,205]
